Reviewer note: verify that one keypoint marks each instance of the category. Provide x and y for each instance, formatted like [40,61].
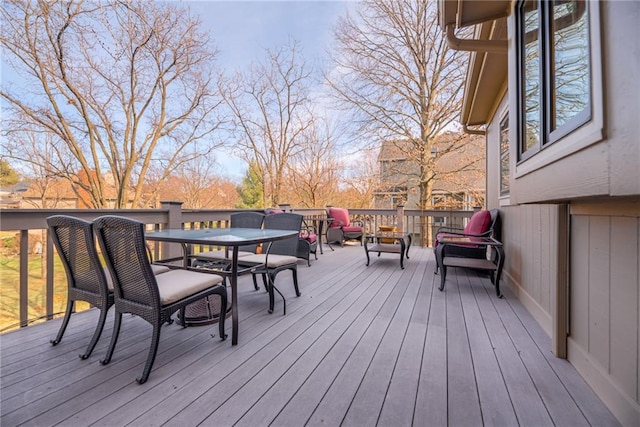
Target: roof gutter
[465,129]
[472,45]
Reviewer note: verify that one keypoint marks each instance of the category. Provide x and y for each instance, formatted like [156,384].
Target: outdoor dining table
[228,237]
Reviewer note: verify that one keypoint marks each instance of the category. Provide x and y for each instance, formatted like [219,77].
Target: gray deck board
[362,346]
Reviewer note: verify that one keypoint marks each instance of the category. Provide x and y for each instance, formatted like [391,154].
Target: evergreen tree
[8,176]
[251,194]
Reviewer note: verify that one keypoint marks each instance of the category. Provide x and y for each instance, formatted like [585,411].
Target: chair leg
[153,349]
[65,322]
[273,288]
[223,313]
[270,289]
[294,273]
[96,334]
[255,283]
[114,338]
[183,317]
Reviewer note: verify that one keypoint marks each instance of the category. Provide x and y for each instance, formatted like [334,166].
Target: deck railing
[28,296]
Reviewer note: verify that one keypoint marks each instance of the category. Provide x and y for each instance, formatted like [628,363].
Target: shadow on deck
[362,346]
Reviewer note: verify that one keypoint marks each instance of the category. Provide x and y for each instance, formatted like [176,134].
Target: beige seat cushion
[273,260]
[175,285]
[220,254]
[157,269]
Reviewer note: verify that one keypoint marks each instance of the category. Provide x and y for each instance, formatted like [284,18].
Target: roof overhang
[487,72]
[464,13]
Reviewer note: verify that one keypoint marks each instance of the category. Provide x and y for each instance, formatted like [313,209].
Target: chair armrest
[450,230]
[458,232]
[308,229]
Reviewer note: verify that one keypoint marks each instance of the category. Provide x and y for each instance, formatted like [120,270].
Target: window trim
[572,138]
[504,118]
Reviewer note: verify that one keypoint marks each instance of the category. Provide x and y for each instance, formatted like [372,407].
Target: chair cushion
[479,223]
[352,229]
[340,217]
[218,255]
[309,237]
[273,260]
[273,211]
[159,269]
[178,284]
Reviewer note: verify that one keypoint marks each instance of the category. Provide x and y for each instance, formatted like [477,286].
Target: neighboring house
[10,196]
[555,87]
[49,194]
[399,173]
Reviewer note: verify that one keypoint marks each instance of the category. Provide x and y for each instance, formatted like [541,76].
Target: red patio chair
[341,228]
[482,223]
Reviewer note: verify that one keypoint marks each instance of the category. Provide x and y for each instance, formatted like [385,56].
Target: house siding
[605,294]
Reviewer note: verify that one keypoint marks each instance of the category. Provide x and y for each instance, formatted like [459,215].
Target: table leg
[443,269]
[366,249]
[500,252]
[234,296]
[320,227]
[402,249]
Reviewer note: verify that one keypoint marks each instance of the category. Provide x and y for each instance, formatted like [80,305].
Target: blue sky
[243,29]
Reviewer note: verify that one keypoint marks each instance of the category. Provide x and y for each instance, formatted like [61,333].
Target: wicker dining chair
[86,280]
[154,298]
[248,219]
[279,256]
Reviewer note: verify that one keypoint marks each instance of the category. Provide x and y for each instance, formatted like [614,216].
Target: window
[554,63]
[504,156]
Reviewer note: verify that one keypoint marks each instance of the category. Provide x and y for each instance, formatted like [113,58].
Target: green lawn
[10,290]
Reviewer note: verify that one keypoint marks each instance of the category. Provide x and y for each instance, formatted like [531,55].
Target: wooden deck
[362,346]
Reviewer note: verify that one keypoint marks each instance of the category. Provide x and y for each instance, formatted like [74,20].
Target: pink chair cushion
[479,223]
[340,217]
[352,229]
[309,237]
[274,211]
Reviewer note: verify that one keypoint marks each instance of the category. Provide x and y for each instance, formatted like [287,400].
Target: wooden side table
[388,242]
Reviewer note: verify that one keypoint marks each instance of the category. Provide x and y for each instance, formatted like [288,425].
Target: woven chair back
[74,240]
[284,221]
[124,248]
[247,220]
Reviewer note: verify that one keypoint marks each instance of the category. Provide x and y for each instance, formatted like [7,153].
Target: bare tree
[396,76]
[120,85]
[271,107]
[315,174]
[198,186]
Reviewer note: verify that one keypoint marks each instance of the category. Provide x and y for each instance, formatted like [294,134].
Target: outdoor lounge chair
[482,223]
[341,228]
[278,256]
[86,280]
[154,298]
